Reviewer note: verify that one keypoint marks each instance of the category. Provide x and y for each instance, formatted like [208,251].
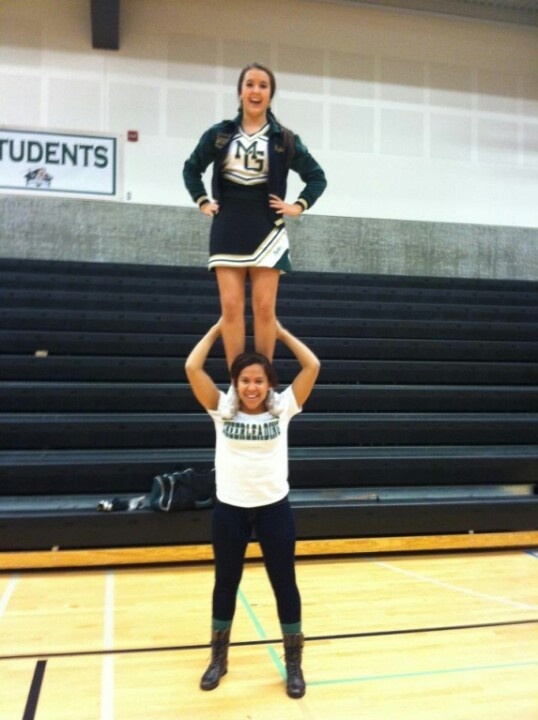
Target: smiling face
[252,388]
[255,94]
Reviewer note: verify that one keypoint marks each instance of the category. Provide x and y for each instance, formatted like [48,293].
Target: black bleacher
[424,421]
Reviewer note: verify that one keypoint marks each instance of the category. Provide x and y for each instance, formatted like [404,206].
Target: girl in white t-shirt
[251,460]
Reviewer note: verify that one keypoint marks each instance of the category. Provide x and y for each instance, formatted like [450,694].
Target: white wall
[413,117]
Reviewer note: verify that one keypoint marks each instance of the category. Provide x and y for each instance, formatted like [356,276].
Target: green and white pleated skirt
[245,233]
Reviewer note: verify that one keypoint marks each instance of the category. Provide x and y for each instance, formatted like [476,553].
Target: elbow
[189,369]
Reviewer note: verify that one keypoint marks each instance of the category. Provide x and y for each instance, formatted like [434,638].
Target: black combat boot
[220,639]
[293,648]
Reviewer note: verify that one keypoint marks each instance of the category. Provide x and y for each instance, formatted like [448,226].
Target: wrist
[214,332]
[283,335]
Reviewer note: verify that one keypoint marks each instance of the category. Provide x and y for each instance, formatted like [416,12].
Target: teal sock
[220,625]
[291,628]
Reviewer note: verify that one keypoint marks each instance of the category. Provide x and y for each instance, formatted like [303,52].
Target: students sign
[57,162]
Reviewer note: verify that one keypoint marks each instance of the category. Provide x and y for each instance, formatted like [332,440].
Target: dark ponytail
[288,140]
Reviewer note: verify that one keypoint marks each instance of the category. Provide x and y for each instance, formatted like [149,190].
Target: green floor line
[278,662]
[261,633]
[369,678]
[252,615]
[401,676]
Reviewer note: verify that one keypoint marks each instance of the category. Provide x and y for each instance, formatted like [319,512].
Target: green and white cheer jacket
[283,156]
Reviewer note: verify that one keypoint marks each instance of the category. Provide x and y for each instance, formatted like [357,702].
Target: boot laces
[293,659]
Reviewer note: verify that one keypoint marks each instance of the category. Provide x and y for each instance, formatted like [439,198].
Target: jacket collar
[274,126]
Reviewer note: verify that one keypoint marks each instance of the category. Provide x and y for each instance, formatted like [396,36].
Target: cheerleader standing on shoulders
[251,157]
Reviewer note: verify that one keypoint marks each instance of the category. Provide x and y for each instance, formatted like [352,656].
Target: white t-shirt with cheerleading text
[251,455]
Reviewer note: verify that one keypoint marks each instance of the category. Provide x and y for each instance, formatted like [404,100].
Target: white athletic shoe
[274,403]
[229,404]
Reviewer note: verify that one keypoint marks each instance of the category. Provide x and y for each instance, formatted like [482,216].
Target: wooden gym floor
[440,636]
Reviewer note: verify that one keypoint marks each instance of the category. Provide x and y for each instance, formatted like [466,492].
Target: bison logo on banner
[58,162]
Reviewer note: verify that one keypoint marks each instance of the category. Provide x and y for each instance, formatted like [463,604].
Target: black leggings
[275,531]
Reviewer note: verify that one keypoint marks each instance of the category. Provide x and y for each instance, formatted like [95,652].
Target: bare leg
[231,282]
[264,283]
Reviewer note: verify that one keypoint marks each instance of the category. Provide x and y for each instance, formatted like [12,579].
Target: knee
[264,309]
[232,306]
[227,583]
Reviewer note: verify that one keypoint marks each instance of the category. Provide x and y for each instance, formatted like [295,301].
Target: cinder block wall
[71,229]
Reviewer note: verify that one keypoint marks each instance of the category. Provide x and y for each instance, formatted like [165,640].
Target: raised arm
[203,387]
[310,365]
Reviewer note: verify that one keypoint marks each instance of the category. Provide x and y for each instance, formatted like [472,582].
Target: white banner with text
[58,162]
